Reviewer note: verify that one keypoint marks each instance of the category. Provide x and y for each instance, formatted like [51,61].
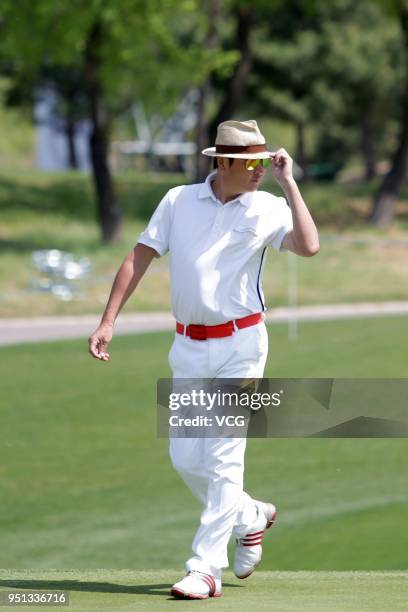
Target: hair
[215,162]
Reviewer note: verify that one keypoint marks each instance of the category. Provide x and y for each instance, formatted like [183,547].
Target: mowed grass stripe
[86,483]
[283,591]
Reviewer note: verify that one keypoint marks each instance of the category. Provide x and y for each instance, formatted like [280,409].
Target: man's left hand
[282,165]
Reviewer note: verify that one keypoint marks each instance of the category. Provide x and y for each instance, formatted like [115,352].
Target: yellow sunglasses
[251,164]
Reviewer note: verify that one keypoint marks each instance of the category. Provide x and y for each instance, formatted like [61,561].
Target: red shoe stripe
[256,533]
[251,538]
[256,543]
[210,582]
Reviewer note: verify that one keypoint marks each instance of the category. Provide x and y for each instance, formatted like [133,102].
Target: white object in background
[60,270]
[52,142]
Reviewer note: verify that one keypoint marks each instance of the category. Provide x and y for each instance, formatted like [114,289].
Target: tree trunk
[384,204]
[108,210]
[70,134]
[235,86]
[202,162]
[367,148]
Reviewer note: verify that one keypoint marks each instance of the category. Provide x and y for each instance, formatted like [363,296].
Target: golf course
[185,126]
[86,483]
[284,591]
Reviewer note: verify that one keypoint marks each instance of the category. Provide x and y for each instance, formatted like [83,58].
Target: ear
[222,164]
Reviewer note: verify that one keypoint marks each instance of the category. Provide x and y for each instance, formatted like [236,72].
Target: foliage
[150,51]
[329,66]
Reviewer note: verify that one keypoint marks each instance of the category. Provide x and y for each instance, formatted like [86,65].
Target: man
[217,233]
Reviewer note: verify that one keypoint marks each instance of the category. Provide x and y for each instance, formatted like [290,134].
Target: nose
[259,171]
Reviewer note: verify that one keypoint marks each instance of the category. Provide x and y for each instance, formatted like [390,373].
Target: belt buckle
[197,332]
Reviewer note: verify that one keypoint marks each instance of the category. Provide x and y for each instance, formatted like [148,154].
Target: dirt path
[37,329]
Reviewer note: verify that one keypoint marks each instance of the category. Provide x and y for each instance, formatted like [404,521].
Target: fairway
[282,591]
[85,483]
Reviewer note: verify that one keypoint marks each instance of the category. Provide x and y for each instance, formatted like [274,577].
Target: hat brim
[211,152]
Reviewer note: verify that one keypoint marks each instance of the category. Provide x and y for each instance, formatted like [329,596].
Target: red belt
[203,332]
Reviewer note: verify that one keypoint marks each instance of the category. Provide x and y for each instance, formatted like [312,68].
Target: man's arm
[303,239]
[126,280]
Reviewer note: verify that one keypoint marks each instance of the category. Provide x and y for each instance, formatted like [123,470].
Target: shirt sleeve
[157,233]
[283,224]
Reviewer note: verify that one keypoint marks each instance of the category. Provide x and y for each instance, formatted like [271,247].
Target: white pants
[213,468]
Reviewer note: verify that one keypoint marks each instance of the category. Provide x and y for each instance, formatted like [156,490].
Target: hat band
[240,149]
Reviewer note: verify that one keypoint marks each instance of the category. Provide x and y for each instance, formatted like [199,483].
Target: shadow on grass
[74,197]
[69,198]
[94,587]
[28,244]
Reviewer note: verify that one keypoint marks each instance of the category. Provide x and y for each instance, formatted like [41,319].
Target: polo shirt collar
[207,192]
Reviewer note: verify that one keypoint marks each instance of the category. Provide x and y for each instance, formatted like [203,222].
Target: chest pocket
[245,234]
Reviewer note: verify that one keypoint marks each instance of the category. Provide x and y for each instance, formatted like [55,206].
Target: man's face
[237,178]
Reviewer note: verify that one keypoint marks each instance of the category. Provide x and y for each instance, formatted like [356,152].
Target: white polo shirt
[217,251]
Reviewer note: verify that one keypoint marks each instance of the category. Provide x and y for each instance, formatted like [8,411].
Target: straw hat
[241,139]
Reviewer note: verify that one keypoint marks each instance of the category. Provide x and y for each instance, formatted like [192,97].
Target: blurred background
[104,106]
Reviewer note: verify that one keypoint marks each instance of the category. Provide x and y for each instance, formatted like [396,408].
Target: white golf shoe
[196,585]
[248,551]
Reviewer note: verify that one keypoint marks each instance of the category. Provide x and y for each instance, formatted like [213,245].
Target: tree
[123,50]
[363,62]
[230,72]
[332,68]
[384,203]
[230,26]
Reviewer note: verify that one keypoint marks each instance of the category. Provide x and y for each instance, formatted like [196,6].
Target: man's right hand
[98,342]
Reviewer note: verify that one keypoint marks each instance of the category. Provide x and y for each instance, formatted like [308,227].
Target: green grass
[18,142]
[41,211]
[85,482]
[283,591]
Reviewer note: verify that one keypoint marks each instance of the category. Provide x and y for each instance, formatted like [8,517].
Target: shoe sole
[269,524]
[249,573]
[179,594]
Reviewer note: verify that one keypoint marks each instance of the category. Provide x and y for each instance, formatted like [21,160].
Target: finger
[93,348]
